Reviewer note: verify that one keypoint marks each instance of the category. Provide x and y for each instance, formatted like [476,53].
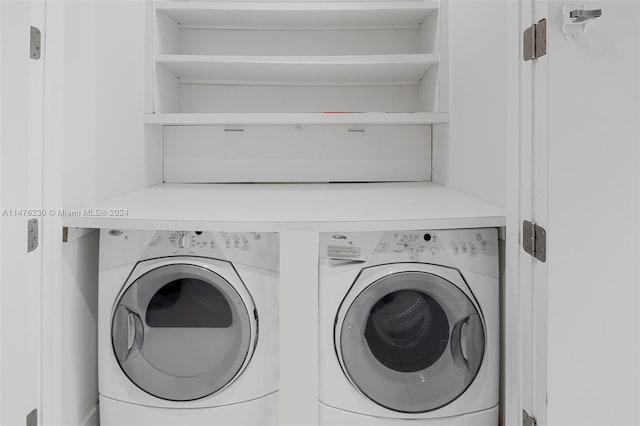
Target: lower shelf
[290,207]
[239,119]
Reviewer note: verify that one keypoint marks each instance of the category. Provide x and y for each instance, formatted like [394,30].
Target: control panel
[203,243]
[190,240]
[239,240]
[463,249]
[119,247]
[417,244]
[251,248]
[425,244]
[183,243]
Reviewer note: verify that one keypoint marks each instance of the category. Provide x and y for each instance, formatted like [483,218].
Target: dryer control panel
[256,249]
[250,248]
[192,241]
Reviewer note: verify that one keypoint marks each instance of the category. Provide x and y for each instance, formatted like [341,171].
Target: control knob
[411,248]
[183,241]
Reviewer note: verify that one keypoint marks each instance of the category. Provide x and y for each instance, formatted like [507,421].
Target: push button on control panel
[240,241]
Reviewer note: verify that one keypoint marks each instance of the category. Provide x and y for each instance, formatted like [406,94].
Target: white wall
[96,147]
[470,153]
[105,151]
[594,215]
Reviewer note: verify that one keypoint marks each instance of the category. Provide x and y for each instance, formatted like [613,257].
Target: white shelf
[369,118]
[291,15]
[282,207]
[348,69]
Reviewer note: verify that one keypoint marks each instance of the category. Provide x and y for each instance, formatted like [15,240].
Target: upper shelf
[278,14]
[282,207]
[227,119]
[352,69]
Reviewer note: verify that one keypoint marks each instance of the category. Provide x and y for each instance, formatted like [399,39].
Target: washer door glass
[181,332]
[412,342]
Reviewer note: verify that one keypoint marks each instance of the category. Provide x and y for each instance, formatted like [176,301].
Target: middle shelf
[351,69]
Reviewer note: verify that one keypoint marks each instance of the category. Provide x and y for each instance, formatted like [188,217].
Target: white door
[586,193]
[20,189]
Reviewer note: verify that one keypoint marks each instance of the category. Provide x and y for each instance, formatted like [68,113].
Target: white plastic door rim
[181,332]
[411,342]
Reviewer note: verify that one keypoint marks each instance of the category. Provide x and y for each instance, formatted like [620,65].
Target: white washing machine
[409,328]
[188,328]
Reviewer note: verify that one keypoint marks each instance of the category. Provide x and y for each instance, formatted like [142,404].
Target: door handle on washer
[457,353]
[467,349]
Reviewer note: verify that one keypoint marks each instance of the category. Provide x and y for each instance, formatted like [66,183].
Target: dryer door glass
[181,332]
[412,342]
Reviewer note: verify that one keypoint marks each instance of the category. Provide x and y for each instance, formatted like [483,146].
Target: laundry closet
[315,117]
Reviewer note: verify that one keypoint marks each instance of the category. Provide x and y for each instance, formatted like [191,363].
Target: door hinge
[32,418]
[32,235]
[528,420]
[36,43]
[534,41]
[534,240]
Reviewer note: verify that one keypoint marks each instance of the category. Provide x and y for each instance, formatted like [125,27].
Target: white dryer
[188,328]
[409,328]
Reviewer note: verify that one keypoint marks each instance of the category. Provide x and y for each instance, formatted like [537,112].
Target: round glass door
[412,342]
[181,332]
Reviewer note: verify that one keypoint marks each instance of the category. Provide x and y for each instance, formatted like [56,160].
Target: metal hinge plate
[528,420]
[32,235]
[534,240]
[534,41]
[36,43]
[32,418]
